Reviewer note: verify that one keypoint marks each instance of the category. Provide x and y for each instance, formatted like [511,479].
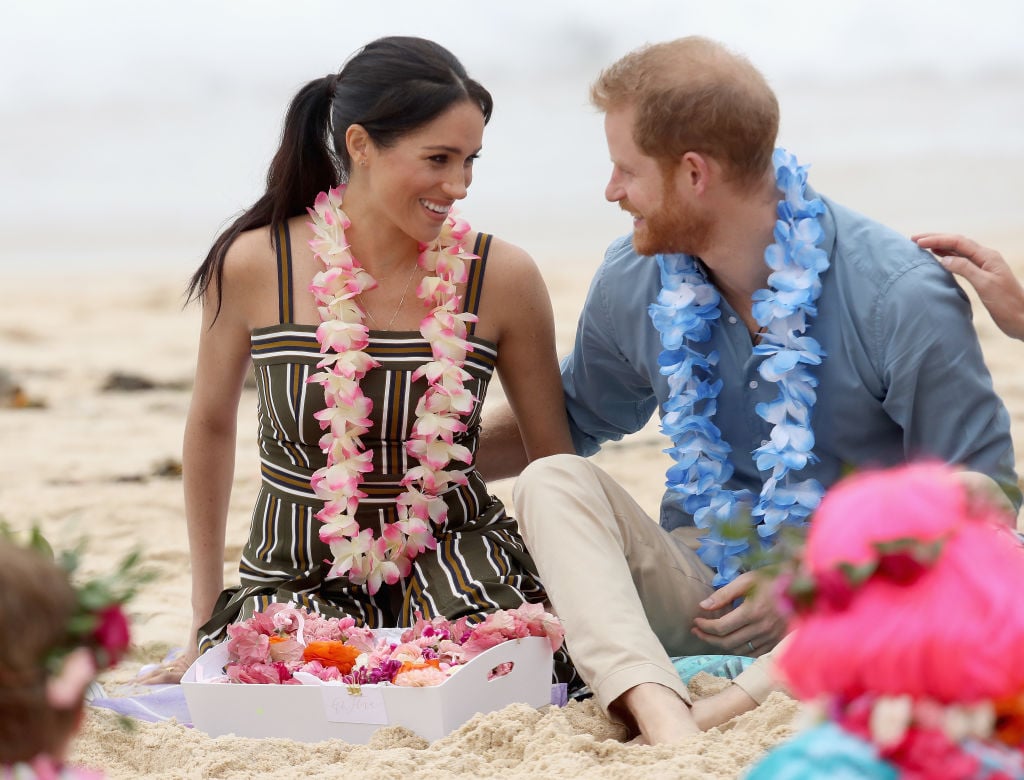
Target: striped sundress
[480,564]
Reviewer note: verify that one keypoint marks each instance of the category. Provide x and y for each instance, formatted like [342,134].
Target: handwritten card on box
[354,704]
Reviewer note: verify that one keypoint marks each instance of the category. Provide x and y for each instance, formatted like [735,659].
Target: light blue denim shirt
[903,376]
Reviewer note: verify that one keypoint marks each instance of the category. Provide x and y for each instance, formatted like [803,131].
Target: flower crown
[899,561]
[98,622]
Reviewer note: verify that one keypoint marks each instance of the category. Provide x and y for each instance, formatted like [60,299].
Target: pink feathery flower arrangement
[276,645]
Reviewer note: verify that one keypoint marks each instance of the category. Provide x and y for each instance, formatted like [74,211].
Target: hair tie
[331,84]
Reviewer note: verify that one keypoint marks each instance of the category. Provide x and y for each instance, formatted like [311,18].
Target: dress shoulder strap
[285,301]
[475,282]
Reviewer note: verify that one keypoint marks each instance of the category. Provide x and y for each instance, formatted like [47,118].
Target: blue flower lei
[685,309]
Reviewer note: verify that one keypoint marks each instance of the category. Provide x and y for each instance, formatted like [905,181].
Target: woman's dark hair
[391,87]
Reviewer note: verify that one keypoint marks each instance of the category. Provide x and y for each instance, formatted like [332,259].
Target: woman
[370,369]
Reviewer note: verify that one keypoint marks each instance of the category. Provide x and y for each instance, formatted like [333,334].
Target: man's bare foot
[659,713]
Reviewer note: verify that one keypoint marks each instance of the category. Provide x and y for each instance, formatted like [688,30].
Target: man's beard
[672,229]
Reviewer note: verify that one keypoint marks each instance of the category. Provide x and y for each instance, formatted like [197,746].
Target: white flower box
[317,710]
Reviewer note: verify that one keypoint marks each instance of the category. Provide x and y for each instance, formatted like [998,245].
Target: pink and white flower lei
[343,338]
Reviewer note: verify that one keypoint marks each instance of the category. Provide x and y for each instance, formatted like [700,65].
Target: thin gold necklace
[401,302]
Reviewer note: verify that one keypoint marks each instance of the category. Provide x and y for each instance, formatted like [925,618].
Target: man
[862,355]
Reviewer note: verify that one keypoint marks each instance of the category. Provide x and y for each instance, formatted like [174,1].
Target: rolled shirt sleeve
[606,379]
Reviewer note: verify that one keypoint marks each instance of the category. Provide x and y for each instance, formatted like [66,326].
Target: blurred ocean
[131,131]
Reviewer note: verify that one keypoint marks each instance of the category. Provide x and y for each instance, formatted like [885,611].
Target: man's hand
[751,628]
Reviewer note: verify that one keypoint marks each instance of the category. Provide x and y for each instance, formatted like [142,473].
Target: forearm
[207,471]
[712,711]
[501,453]
[1015,326]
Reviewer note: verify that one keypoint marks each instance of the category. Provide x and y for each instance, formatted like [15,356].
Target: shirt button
[732,320]
[753,384]
[764,442]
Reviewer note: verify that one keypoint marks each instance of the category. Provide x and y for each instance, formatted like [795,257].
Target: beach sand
[97,463]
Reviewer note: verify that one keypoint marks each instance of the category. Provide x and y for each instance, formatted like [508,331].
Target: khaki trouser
[625,589]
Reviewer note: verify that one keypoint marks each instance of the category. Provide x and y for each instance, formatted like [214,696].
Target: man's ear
[694,173]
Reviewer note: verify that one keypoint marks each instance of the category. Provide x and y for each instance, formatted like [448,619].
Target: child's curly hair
[37,603]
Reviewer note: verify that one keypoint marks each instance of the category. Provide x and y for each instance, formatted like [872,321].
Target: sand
[84,460]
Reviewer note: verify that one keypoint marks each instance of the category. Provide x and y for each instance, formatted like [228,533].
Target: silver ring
[751,646]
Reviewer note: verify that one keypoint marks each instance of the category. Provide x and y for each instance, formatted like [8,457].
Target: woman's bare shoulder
[250,277]
[250,252]
[513,288]
[508,262]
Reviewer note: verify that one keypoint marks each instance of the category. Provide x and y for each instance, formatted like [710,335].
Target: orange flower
[336,654]
[427,663]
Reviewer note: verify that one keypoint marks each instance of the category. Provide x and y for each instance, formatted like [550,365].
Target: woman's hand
[171,671]
[987,271]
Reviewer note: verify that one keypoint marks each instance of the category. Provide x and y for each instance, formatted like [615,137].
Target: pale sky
[162,116]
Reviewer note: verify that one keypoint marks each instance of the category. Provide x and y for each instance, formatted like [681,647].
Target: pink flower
[437,454]
[361,638]
[341,336]
[247,645]
[350,555]
[446,333]
[351,364]
[341,417]
[429,425]
[336,383]
[452,266]
[420,678]
[445,372]
[500,670]
[540,622]
[435,290]
[344,446]
[496,628]
[420,504]
[407,651]
[263,622]
[317,669]
[381,568]
[433,481]
[288,619]
[287,650]
[344,527]
[260,673]
[341,477]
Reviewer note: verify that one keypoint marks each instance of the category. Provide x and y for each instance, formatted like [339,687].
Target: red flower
[111,635]
[835,588]
[902,567]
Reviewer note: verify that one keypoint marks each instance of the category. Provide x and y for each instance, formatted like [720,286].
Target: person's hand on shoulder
[986,270]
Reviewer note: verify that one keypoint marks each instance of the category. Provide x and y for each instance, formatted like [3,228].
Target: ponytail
[304,165]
